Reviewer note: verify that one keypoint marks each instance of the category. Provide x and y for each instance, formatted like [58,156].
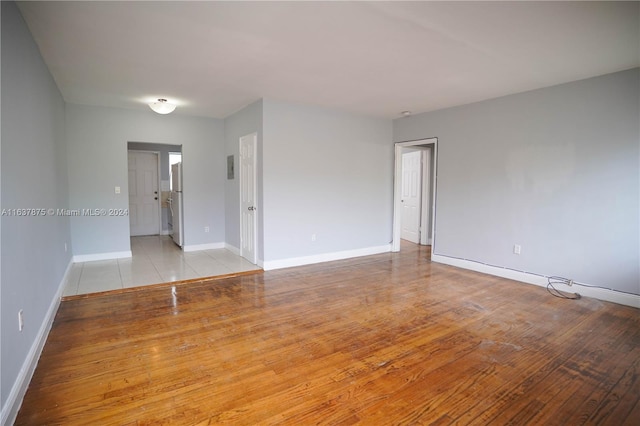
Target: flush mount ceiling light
[406,113]
[161,106]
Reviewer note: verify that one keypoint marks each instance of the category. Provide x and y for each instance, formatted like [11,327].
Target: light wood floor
[385,339]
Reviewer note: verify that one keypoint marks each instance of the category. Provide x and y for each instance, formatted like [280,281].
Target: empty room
[326,212]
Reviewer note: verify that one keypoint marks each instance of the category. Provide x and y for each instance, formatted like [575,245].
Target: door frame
[397,190]
[254,136]
[158,154]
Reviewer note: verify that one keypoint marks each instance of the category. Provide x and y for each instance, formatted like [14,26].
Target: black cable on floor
[557,293]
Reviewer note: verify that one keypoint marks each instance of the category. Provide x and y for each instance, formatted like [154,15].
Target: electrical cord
[557,293]
[551,280]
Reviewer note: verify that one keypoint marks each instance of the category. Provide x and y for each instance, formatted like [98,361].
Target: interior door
[248,218]
[144,207]
[411,195]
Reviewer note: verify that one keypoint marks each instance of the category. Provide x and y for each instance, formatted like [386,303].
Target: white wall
[326,173]
[97,157]
[33,168]
[555,170]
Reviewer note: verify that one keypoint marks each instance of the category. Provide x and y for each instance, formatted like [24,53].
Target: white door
[144,207]
[411,196]
[248,217]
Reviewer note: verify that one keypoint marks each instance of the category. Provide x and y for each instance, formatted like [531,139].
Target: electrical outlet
[117,190]
[313,237]
[517,249]
[20,320]
[206,229]
[570,283]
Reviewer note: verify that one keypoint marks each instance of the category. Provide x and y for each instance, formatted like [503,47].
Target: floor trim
[19,388]
[325,257]
[102,256]
[199,247]
[233,249]
[608,295]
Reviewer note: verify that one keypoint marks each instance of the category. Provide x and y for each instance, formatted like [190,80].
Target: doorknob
[155,198]
[251,208]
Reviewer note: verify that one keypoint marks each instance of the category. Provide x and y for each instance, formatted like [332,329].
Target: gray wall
[165,171]
[326,173]
[33,176]
[244,122]
[555,170]
[97,155]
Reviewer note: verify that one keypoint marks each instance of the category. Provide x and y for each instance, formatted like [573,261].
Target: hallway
[156,259]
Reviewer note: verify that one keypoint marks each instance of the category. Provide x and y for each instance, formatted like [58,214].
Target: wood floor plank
[384,339]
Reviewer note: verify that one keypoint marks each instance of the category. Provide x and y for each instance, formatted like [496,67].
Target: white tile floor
[156,259]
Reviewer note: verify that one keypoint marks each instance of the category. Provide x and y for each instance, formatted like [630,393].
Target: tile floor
[156,259]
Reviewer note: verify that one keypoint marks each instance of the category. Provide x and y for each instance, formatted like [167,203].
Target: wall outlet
[569,283]
[206,229]
[117,190]
[20,320]
[517,249]
[313,237]
[65,247]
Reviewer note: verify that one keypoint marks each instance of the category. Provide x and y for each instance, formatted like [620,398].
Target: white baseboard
[233,249]
[19,388]
[325,257]
[198,247]
[165,232]
[101,256]
[541,280]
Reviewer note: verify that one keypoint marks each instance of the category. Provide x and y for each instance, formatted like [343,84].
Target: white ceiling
[372,58]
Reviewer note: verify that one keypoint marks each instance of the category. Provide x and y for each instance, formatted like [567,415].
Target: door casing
[397,190]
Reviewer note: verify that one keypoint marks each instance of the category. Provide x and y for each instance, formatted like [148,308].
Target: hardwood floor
[384,339]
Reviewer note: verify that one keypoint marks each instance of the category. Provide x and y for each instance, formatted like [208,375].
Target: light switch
[117,189]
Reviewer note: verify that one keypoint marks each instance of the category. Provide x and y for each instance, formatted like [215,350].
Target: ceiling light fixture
[406,113]
[161,106]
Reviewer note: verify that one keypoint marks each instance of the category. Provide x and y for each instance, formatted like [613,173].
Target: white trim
[233,249]
[621,298]
[397,182]
[165,232]
[198,247]
[102,256]
[19,388]
[325,257]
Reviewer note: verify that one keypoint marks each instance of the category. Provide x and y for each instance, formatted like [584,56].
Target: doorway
[424,199]
[144,198]
[165,154]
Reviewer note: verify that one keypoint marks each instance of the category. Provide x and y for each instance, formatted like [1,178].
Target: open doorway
[158,182]
[415,192]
